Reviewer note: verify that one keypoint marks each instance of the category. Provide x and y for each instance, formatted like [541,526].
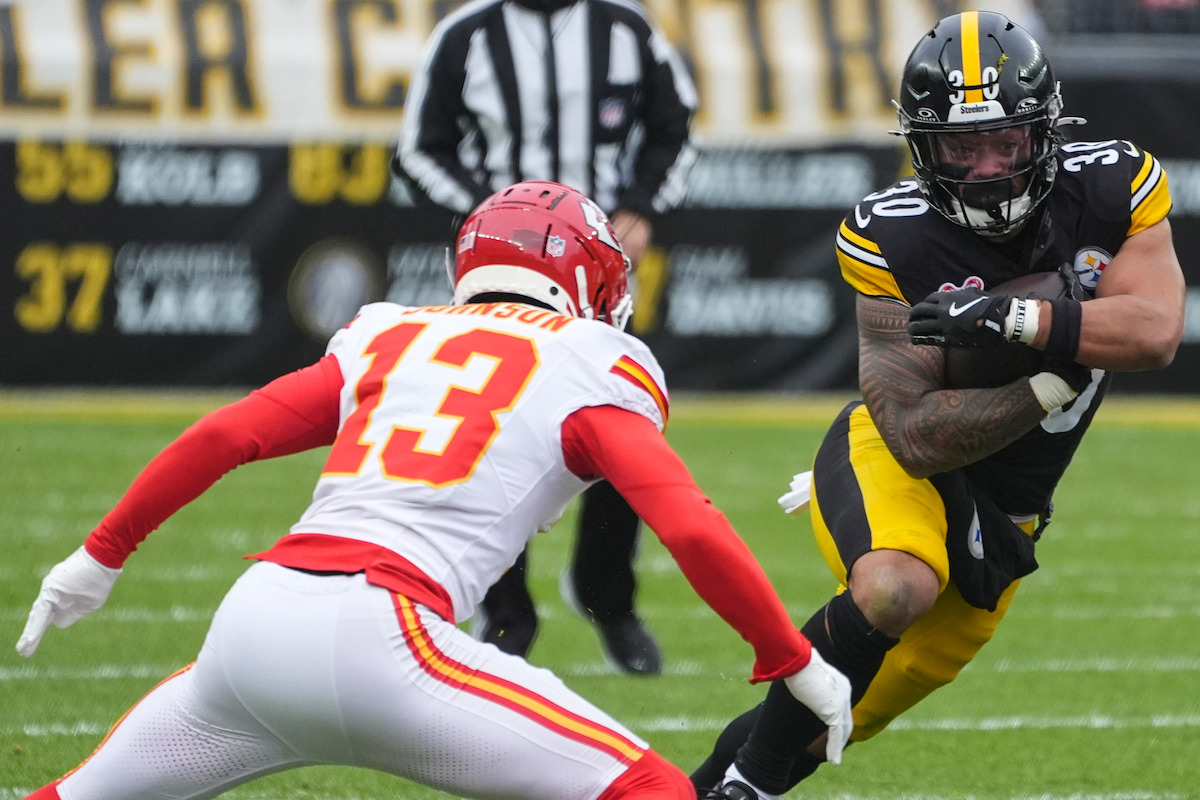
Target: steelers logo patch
[1089,263]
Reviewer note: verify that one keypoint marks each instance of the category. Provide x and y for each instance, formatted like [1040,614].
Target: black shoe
[513,636]
[734,790]
[629,646]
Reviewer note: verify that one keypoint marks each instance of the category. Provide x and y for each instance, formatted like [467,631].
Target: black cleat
[734,790]
[629,646]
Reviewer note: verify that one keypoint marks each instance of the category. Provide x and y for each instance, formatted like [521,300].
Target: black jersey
[895,245]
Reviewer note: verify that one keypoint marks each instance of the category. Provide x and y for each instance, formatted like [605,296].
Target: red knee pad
[651,777]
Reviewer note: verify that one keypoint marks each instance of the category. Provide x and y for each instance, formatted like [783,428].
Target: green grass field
[1088,692]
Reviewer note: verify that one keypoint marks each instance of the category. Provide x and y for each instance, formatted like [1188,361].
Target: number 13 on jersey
[473,413]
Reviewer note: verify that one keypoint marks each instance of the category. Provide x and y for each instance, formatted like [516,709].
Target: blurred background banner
[196,192]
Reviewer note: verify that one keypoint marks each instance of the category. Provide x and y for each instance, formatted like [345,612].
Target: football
[986,368]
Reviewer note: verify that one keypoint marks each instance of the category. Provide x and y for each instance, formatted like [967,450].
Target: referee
[591,94]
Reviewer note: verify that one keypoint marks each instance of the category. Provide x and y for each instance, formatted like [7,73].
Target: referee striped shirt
[611,118]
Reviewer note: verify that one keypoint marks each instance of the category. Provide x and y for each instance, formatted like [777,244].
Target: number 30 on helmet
[546,242]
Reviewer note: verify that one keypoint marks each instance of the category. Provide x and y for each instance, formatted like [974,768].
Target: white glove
[76,587]
[826,692]
[797,499]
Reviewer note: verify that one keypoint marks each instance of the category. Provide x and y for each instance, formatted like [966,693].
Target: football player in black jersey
[926,501]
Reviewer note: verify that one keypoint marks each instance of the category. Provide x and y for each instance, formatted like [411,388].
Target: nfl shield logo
[556,245]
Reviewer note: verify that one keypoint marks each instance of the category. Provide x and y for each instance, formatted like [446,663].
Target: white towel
[797,499]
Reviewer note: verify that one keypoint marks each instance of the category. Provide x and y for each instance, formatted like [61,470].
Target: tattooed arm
[927,428]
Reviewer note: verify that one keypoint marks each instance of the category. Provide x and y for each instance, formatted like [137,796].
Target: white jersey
[449,447]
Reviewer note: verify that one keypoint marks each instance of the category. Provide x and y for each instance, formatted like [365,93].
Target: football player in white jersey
[458,432]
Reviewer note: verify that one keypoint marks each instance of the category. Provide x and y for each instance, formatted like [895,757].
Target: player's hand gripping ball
[959,318]
[989,367]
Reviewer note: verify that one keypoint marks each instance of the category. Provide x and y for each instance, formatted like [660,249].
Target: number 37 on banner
[52,272]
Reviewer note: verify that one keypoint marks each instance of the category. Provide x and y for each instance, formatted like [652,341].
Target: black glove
[961,318]
[1077,376]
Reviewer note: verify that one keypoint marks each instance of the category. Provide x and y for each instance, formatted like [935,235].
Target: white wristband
[1051,390]
[1021,323]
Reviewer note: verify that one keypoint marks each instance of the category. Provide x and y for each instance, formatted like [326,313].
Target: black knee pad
[849,642]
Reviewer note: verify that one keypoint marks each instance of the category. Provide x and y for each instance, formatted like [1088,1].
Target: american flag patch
[466,241]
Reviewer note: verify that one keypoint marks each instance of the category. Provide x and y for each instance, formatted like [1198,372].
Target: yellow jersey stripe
[867,279]
[863,265]
[857,239]
[1150,197]
[636,374]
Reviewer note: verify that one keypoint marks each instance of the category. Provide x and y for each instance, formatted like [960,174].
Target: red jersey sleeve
[296,412]
[629,451]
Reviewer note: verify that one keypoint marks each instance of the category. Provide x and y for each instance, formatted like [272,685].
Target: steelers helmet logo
[1089,264]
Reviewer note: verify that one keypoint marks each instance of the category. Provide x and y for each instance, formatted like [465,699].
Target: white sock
[732,774]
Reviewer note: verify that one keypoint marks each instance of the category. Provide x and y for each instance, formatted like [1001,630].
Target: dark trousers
[601,569]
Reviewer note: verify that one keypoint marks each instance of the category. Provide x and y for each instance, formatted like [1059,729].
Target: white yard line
[99,672]
[688,724]
[131,614]
[1133,664]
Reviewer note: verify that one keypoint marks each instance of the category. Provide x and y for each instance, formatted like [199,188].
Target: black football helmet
[979,73]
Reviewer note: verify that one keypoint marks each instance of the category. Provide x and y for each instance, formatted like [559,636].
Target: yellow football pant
[907,514]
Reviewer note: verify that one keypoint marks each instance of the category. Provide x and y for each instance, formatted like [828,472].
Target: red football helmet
[547,242]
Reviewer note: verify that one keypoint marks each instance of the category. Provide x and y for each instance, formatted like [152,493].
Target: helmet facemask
[988,179]
[598,301]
